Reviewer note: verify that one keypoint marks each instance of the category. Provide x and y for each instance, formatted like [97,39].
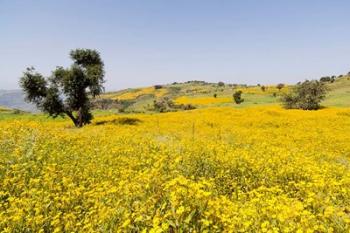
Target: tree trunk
[80,117]
[71,116]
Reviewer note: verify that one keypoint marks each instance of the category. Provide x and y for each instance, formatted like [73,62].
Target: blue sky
[158,41]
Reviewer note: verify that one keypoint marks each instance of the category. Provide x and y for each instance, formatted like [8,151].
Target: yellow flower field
[208,170]
[202,100]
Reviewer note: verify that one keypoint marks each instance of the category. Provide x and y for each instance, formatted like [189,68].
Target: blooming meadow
[208,170]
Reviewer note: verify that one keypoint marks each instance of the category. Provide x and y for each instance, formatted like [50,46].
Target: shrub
[325,79]
[307,96]
[215,95]
[167,105]
[158,87]
[263,88]
[186,106]
[221,84]
[280,86]
[162,105]
[237,97]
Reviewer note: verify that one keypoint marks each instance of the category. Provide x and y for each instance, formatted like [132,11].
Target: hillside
[197,93]
[339,93]
[201,95]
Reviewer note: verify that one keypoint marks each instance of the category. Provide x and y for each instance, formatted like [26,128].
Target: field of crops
[207,170]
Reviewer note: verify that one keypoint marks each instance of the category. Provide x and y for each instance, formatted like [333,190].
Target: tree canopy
[307,95]
[67,90]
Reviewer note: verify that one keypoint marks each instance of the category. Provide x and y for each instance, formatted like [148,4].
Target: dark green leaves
[67,91]
[307,95]
[34,85]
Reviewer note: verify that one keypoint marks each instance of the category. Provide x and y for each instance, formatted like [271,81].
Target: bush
[263,88]
[162,105]
[325,79]
[307,96]
[158,87]
[280,86]
[237,97]
[215,95]
[167,105]
[186,106]
[221,84]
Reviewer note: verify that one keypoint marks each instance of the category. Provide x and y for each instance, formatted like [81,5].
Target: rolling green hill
[339,93]
[201,95]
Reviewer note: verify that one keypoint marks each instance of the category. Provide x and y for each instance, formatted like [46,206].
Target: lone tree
[307,95]
[237,97]
[221,84]
[67,90]
[280,86]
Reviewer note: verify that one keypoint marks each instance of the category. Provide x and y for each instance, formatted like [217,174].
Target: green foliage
[307,96]
[67,91]
[167,105]
[328,79]
[163,105]
[237,97]
[280,86]
[221,84]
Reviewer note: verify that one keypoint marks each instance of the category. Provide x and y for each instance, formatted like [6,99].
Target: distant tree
[325,79]
[215,95]
[158,87]
[280,86]
[221,84]
[162,105]
[263,88]
[307,95]
[237,97]
[328,79]
[67,91]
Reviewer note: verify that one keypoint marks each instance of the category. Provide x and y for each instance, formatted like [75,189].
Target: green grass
[339,93]
[338,96]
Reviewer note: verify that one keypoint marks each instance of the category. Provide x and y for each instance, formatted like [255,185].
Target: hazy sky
[149,42]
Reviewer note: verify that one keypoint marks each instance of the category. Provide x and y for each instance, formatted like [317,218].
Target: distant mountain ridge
[14,99]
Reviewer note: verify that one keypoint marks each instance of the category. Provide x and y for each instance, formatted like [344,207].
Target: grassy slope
[338,96]
[196,91]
